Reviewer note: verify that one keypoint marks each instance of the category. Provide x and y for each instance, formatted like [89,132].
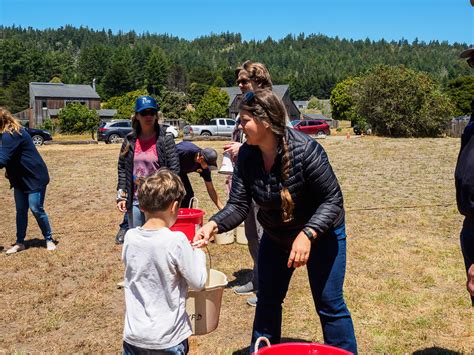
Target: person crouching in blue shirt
[28,176]
[202,161]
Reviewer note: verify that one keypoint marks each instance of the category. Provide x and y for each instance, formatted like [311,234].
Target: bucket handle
[257,343]
[191,202]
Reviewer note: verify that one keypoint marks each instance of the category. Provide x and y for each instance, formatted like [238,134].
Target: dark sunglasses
[147,112]
[249,96]
[243,81]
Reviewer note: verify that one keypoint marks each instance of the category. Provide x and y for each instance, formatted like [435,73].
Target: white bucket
[203,307]
[227,167]
[225,238]
[240,236]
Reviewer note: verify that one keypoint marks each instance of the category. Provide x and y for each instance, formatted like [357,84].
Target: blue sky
[443,20]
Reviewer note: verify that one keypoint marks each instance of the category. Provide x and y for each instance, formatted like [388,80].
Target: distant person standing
[193,159]
[28,176]
[464,180]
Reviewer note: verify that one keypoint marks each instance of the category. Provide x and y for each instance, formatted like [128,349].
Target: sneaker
[252,301]
[50,245]
[120,236]
[121,284]
[15,249]
[246,289]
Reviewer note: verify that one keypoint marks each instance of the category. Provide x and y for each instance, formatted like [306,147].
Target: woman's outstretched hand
[299,251]
[122,206]
[206,232]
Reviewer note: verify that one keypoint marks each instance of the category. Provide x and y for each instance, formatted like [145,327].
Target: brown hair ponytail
[287,203]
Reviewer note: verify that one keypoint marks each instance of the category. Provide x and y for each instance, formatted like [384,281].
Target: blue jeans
[124,224]
[326,269]
[467,245]
[33,201]
[136,218]
[180,349]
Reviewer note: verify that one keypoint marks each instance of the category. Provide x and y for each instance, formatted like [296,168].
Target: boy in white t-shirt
[159,267]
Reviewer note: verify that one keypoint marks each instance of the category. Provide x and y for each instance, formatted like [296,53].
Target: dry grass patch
[405,276]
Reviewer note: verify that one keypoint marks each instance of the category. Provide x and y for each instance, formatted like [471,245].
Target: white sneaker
[50,245]
[15,249]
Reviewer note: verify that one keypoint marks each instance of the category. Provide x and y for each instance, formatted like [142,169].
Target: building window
[44,103]
[67,102]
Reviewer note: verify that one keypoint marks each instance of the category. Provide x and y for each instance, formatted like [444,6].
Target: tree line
[165,65]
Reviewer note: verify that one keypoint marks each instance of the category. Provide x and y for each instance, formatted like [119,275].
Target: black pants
[180,349]
[189,190]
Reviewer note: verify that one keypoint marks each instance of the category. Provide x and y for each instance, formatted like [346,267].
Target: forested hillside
[311,64]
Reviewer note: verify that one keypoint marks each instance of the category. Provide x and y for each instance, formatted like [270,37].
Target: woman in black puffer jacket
[289,177]
[146,149]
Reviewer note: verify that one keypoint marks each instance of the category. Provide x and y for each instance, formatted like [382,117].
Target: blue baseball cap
[145,102]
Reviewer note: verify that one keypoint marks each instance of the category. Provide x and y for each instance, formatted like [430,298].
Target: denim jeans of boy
[180,349]
[467,245]
[35,202]
[136,218]
[326,269]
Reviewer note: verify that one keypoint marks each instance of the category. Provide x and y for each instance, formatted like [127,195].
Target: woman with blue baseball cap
[145,150]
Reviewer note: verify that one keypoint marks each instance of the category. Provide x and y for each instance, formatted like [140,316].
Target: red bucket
[301,349]
[189,221]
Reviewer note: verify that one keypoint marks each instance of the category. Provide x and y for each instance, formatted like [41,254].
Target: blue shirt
[26,169]
[187,164]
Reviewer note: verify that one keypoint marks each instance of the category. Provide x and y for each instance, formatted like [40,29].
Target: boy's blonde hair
[160,190]
[8,123]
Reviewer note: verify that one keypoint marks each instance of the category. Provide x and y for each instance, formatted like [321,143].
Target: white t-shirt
[159,267]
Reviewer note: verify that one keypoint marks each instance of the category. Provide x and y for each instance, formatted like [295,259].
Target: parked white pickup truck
[217,127]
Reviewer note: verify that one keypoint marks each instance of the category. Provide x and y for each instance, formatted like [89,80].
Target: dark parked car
[115,130]
[39,136]
[316,127]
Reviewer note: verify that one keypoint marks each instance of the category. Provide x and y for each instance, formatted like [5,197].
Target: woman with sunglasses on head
[289,177]
[146,149]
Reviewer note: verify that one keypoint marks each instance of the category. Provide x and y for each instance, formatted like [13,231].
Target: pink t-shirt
[145,161]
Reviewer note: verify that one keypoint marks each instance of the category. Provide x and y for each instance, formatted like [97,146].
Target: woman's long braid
[287,203]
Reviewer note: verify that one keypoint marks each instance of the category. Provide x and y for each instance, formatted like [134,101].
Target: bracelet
[309,233]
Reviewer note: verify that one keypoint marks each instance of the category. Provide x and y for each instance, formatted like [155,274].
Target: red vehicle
[316,127]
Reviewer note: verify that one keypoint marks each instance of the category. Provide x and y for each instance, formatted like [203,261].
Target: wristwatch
[310,233]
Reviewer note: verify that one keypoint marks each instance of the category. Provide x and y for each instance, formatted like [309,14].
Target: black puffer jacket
[167,157]
[312,185]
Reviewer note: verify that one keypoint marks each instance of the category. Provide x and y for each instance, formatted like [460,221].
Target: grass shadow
[436,351]
[245,351]
[37,243]
[242,276]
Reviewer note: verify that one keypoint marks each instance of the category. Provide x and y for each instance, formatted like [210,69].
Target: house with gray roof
[47,99]
[282,91]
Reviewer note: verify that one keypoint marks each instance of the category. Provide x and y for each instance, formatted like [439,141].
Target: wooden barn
[282,91]
[47,98]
